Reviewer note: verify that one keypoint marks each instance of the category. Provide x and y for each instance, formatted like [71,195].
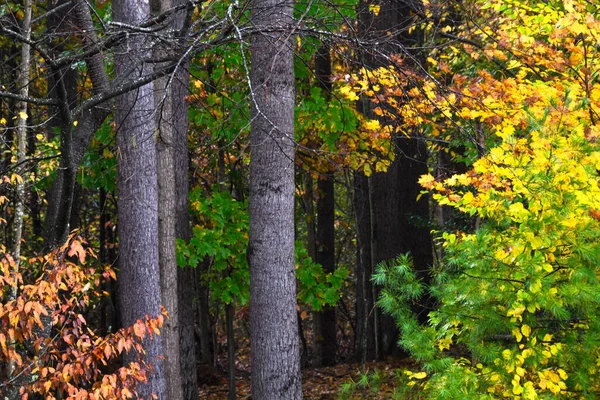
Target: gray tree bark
[275,348]
[139,280]
[187,281]
[163,99]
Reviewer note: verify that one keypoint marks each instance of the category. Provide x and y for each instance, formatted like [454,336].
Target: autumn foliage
[48,347]
[517,291]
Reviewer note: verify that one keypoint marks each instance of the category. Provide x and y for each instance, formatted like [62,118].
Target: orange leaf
[77,248]
[107,351]
[139,329]
[595,214]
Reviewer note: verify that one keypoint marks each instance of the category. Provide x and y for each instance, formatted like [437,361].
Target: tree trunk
[231,395]
[187,281]
[74,141]
[326,319]
[163,102]
[19,197]
[365,327]
[139,280]
[326,257]
[308,207]
[275,353]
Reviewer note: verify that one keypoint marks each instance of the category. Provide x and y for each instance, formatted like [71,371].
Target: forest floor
[318,383]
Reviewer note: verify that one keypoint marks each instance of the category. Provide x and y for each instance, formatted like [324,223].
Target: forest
[279,199]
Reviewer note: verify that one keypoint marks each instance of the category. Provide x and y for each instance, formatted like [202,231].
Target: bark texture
[163,100]
[139,280]
[187,281]
[275,348]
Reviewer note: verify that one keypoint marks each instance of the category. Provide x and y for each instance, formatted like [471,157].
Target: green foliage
[316,288]
[317,117]
[519,300]
[222,236]
[99,165]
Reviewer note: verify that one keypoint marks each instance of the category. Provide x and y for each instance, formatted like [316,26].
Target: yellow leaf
[563,374]
[420,375]
[517,333]
[16,178]
[375,8]
[75,123]
[3,121]
[526,330]
[426,181]
[372,125]
[22,115]
[347,92]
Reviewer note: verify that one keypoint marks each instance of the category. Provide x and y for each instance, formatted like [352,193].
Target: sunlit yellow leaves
[516,311]
[347,92]
[444,343]
[517,334]
[372,124]
[23,115]
[374,8]
[427,181]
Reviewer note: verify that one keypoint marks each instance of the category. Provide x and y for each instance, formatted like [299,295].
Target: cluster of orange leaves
[47,347]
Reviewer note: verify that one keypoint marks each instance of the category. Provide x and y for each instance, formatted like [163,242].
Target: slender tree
[326,339]
[187,281]
[139,280]
[163,101]
[275,352]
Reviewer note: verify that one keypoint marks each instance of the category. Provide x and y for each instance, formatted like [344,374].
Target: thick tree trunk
[275,353]
[139,280]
